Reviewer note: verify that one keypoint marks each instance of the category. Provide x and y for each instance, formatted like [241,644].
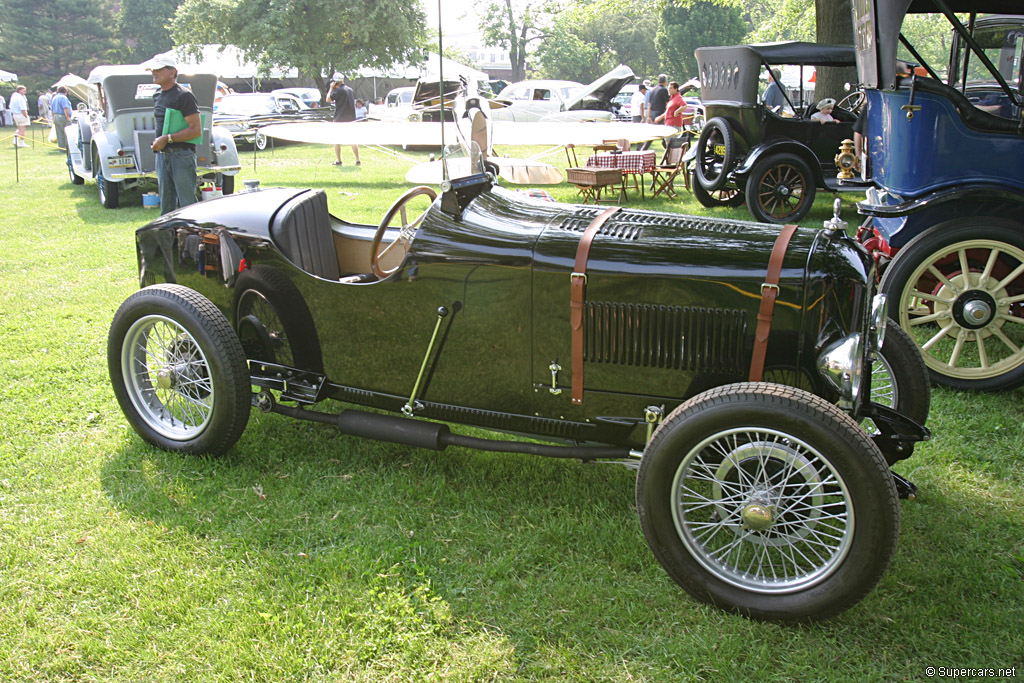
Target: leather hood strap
[577,298]
[769,292]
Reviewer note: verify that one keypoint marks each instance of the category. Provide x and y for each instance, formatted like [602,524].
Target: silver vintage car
[109,140]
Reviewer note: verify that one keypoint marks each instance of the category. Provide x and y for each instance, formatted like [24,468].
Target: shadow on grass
[534,546]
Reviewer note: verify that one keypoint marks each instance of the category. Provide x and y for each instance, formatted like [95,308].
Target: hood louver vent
[671,337]
[629,225]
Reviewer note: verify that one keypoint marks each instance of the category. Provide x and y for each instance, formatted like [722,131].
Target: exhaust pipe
[436,436]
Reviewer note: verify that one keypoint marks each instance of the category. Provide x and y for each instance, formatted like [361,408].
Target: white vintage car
[561,100]
[110,139]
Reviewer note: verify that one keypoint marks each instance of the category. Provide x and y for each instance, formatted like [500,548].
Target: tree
[834,25]
[143,24]
[316,37]
[591,37]
[683,29]
[514,28]
[45,39]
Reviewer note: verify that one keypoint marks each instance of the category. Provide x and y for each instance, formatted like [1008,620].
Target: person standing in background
[638,105]
[3,111]
[773,97]
[344,110]
[61,109]
[19,110]
[43,105]
[176,158]
[659,101]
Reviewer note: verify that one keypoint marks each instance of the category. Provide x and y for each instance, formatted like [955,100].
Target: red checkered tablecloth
[629,162]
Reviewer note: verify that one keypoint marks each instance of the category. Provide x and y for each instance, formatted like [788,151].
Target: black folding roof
[810,54]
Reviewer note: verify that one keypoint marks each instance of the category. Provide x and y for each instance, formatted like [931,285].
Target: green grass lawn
[307,555]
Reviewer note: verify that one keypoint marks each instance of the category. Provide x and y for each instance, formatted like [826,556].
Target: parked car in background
[111,142]
[946,152]
[745,150]
[309,96]
[400,96]
[623,110]
[243,114]
[561,100]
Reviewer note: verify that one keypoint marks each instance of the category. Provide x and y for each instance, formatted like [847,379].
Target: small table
[630,163]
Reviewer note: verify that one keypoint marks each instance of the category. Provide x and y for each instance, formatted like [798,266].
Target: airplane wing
[516,171]
[505,133]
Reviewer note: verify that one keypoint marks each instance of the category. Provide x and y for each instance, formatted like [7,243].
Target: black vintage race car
[737,382]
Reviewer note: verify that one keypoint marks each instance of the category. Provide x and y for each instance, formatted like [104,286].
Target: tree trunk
[834,26]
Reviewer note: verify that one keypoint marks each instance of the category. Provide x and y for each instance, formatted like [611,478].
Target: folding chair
[664,174]
[570,155]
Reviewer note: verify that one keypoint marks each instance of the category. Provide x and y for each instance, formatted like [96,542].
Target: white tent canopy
[431,67]
[226,61]
[7,76]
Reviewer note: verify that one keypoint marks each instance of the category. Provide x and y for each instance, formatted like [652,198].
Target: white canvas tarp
[226,61]
[6,76]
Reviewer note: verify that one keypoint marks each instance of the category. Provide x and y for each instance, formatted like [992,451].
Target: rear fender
[764,149]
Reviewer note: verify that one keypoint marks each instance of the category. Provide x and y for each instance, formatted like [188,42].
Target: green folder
[174,121]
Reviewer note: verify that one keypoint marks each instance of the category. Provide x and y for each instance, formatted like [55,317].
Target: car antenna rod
[440,91]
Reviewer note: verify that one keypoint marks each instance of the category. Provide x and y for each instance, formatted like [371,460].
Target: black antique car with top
[777,160]
[751,382]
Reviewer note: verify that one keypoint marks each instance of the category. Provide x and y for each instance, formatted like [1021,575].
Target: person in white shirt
[638,105]
[19,110]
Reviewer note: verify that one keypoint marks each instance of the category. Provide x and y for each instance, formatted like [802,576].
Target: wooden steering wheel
[404,235]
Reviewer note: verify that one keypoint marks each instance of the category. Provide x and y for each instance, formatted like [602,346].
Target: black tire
[780,189]
[730,197]
[967,327]
[189,391]
[273,322]
[75,178]
[716,152]
[899,380]
[109,192]
[899,377]
[748,474]
[227,184]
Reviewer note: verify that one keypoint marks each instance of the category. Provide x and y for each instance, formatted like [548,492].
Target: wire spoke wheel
[168,377]
[762,510]
[768,501]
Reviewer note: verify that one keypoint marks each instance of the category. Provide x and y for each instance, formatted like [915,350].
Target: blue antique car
[735,365]
[945,148]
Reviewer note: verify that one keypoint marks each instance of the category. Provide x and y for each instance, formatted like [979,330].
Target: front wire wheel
[899,380]
[958,290]
[178,370]
[768,501]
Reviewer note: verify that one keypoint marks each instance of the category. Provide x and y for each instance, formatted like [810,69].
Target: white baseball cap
[161,62]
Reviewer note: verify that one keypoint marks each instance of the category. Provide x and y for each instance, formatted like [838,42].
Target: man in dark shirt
[659,101]
[344,110]
[176,151]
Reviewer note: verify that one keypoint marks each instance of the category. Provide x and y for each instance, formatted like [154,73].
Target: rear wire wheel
[178,370]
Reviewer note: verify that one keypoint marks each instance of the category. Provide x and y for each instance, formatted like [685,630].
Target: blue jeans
[176,178]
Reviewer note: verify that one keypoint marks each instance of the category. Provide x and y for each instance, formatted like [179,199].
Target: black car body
[776,161]
[946,152]
[473,324]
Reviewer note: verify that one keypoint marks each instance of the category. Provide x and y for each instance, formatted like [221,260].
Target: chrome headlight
[879,320]
[841,363]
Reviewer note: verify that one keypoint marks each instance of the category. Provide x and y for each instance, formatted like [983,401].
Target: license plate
[719,150]
[115,162]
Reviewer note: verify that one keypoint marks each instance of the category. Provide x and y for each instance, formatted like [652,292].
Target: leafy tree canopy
[683,29]
[515,25]
[42,40]
[314,36]
[143,25]
[589,38]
